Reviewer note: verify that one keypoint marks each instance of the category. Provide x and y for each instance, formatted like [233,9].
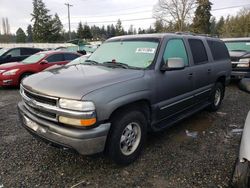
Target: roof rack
[194,34]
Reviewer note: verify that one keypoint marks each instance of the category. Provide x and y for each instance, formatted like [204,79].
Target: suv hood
[74,82]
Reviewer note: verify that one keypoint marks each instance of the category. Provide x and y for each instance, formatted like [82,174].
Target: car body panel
[245,141]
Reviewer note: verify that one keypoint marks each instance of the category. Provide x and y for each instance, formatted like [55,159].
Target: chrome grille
[39,105]
[39,98]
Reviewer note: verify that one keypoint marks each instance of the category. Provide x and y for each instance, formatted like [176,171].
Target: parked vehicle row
[16,54]
[129,86]
[239,49]
[11,74]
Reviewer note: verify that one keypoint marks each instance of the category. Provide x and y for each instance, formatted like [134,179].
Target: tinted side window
[175,48]
[218,49]
[69,57]
[55,58]
[29,51]
[198,51]
[14,52]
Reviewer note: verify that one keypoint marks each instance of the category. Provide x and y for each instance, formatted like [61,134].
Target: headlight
[77,105]
[244,63]
[1,71]
[10,72]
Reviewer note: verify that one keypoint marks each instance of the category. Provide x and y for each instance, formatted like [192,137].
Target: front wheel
[127,137]
[217,96]
[241,176]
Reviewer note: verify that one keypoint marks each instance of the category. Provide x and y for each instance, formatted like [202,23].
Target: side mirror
[44,62]
[173,64]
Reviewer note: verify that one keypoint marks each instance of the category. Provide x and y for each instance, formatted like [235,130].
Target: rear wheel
[127,137]
[217,96]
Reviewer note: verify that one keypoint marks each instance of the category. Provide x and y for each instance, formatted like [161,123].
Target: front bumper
[85,142]
[240,74]
[8,80]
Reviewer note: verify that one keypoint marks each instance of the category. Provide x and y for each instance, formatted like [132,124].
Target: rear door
[202,68]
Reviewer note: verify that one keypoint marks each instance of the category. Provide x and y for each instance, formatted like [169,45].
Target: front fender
[245,141]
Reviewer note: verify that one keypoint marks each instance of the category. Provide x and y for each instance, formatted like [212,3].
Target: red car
[11,74]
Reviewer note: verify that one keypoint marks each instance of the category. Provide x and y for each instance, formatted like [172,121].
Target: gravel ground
[170,158]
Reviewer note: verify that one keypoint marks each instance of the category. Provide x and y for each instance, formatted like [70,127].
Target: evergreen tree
[42,22]
[29,34]
[131,30]
[20,36]
[118,28]
[159,26]
[112,30]
[219,26]
[87,32]
[80,31]
[201,22]
[56,29]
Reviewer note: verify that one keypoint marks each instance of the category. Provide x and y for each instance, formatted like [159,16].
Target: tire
[127,136]
[217,96]
[241,176]
[23,76]
[244,84]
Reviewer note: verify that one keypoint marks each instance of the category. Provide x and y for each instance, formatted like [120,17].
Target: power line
[112,21]
[148,18]
[96,16]
[236,6]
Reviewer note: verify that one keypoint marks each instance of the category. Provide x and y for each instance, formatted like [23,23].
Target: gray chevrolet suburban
[129,86]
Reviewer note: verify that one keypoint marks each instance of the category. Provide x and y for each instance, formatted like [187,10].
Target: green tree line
[48,28]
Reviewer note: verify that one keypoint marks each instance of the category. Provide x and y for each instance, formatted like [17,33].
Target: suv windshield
[134,53]
[238,46]
[34,58]
[2,51]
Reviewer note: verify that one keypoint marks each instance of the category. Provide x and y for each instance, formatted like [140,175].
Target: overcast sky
[100,12]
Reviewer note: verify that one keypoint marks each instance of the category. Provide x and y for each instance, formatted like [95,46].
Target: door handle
[190,75]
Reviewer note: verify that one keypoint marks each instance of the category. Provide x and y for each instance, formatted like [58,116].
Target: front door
[175,86]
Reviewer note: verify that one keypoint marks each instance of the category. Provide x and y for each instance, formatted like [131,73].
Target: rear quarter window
[198,51]
[218,49]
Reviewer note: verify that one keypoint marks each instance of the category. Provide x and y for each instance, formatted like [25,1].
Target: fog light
[77,122]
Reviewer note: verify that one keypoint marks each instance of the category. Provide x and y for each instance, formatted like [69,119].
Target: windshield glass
[34,58]
[2,51]
[134,53]
[78,60]
[238,46]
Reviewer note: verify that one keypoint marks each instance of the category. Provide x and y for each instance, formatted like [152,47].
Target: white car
[241,177]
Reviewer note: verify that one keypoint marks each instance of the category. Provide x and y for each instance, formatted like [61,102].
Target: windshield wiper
[116,64]
[91,62]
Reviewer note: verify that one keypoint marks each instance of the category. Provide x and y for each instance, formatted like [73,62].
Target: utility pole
[69,5]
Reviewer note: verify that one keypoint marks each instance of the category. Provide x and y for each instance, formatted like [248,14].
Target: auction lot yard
[170,158]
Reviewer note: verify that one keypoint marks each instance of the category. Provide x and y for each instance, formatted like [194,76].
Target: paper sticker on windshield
[248,43]
[145,50]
